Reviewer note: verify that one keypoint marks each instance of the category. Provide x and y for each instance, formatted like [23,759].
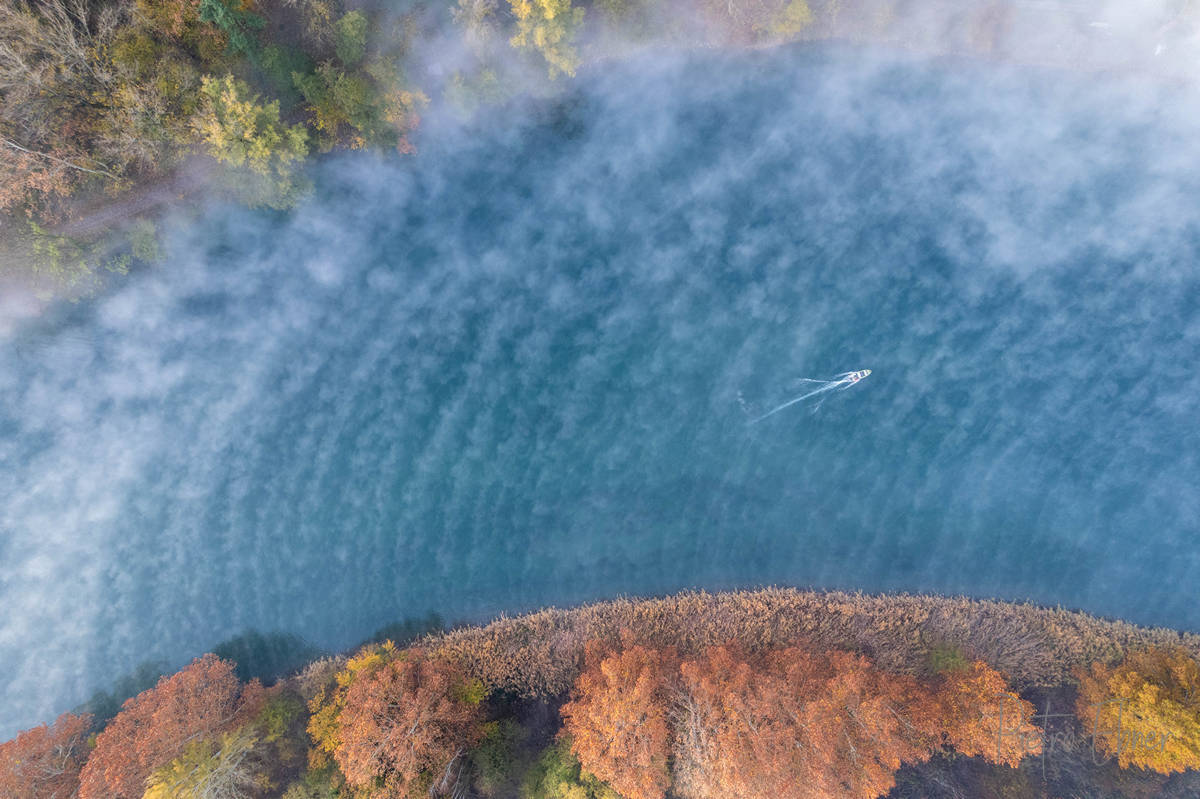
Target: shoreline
[538,653]
[995,35]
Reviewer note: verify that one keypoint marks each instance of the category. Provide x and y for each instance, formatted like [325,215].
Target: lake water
[511,370]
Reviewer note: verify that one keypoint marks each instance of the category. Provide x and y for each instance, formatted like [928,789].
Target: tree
[559,775]
[201,701]
[95,93]
[795,724]
[44,763]
[350,38]
[618,719]
[329,700]
[236,23]
[344,105]
[53,97]
[548,26]
[208,769]
[180,21]
[318,17]
[978,714]
[791,20]
[242,132]
[1145,711]
[407,725]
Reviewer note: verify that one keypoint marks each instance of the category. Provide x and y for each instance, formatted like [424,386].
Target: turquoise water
[507,372]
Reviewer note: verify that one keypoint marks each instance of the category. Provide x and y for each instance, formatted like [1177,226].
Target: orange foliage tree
[788,722]
[44,763]
[406,726]
[618,719]
[1145,711]
[154,727]
[794,723]
[328,702]
[978,714]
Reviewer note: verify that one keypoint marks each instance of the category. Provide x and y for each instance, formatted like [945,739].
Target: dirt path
[190,179]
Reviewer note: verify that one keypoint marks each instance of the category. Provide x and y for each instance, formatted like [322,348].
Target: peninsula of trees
[762,695]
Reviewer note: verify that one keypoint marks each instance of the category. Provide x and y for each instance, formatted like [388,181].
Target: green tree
[323,783]
[344,105]
[496,760]
[235,23]
[350,38]
[244,133]
[558,775]
[62,265]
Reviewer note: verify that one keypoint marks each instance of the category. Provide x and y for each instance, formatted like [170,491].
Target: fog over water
[506,372]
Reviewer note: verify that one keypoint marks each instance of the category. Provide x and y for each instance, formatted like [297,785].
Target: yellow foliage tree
[207,770]
[242,132]
[548,26]
[1145,711]
[792,19]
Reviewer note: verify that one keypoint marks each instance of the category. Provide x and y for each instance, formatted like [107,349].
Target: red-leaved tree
[154,727]
[44,763]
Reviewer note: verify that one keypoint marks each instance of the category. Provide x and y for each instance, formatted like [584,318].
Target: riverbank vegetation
[772,693]
[112,109]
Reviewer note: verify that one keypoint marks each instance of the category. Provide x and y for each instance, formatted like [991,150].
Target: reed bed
[540,654]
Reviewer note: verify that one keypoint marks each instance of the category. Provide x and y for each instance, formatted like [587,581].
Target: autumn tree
[794,723]
[181,20]
[791,20]
[222,768]
[94,94]
[1145,711]
[52,99]
[756,20]
[328,699]
[44,763]
[549,27]
[978,713]
[245,133]
[618,719]
[201,701]
[240,763]
[407,725]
